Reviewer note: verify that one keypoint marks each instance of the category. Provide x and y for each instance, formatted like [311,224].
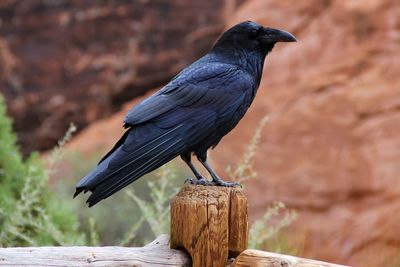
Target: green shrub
[265,232]
[155,212]
[30,215]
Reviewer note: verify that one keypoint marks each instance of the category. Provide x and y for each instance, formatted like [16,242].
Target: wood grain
[258,258]
[156,253]
[238,222]
[201,223]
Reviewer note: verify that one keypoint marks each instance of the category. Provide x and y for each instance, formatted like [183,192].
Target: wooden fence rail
[157,253]
[209,228]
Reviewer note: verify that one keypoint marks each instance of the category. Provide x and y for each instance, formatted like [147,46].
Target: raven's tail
[139,152]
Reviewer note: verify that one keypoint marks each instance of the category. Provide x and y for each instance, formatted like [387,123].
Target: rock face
[77,61]
[331,148]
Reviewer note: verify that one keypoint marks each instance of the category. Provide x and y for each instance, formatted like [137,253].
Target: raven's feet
[219,182]
[201,181]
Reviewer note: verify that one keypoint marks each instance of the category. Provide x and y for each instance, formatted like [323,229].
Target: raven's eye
[256,32]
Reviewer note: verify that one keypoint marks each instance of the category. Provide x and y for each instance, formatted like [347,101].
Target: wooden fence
[209,227]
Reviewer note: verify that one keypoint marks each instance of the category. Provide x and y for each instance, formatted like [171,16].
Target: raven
[190,114]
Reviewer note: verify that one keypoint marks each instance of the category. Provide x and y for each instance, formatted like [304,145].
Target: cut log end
[253,257]
[210,223]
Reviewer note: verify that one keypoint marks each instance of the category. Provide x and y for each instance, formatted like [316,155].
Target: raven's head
[252,37]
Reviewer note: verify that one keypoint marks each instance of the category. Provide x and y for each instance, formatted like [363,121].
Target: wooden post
[210,223]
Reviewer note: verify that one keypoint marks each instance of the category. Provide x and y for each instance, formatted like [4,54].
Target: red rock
[98,55]
[331,148]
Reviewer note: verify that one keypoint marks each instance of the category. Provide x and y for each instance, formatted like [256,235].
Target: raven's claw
[214,182]
[221,182]
[201,181]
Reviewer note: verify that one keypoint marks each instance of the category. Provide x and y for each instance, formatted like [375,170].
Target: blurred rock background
[63,61]
[331,148]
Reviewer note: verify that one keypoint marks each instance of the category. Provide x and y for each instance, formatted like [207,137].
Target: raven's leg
[216,180]
[200,179]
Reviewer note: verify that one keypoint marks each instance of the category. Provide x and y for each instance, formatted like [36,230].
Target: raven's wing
[189,87]
[167,124]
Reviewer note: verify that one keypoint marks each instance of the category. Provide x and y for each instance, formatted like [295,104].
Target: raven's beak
[276,35]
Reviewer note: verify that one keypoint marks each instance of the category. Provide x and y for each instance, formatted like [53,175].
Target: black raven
[190,114]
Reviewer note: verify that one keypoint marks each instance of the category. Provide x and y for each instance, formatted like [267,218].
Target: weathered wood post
[210,223]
